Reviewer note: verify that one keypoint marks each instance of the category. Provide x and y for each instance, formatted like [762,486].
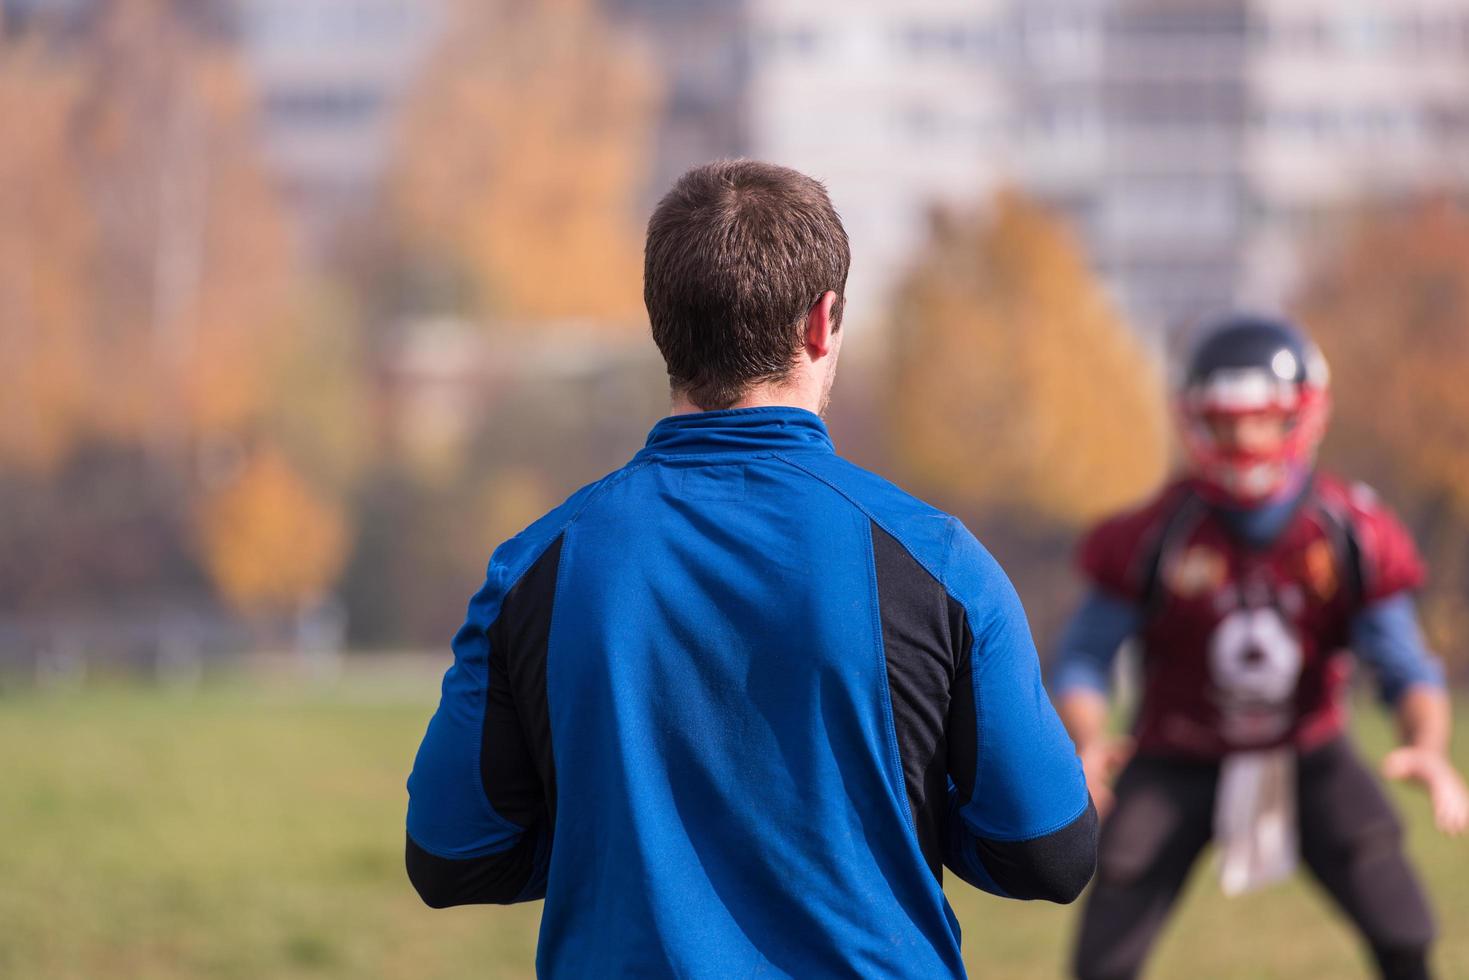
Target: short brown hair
[737,254]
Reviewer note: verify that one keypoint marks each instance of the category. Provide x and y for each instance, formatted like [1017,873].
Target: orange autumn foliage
[522,159]
[46,241]
[193,266]
[1390,308]
[148,286]
[271,542]
[144,261]
[1015,386]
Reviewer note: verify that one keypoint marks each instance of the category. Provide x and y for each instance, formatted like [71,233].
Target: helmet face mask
[1252,408]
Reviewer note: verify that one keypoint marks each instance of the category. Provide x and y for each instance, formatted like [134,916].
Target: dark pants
[1163,816]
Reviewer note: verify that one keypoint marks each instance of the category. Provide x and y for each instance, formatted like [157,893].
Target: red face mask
[1247,434]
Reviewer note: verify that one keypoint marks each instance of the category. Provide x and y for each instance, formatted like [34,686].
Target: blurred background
[305,305]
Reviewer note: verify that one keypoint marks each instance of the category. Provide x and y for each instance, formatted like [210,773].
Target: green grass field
[255,831]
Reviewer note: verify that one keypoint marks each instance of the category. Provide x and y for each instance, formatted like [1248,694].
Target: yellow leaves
[44,239]
[522,158]
[1390,308]
[143,257]
[1015,386]
[146,287]
[1391,312]
[270,541]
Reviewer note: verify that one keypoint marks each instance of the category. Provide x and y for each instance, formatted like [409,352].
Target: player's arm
[477,832]
[1080,681]
[1423,720]
[1021,824]
[1386,636]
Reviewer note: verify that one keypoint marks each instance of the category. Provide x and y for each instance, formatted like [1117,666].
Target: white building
[1230,128]
[893,107]
[1192,142]
[1168,191]
[330,75]
[702,64]
[1349,99]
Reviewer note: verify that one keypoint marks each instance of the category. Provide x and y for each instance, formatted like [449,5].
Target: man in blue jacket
[733,708]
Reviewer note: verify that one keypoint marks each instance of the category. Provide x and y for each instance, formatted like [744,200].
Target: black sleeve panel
[515,757]
[516,761]
[1055,867]
[496,879]
[920,654]
[963,740]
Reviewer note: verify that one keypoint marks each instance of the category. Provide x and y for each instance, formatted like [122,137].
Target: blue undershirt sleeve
[1089,644]
[1386,637]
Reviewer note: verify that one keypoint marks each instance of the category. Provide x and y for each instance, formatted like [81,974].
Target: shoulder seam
[896,756]
[953,525]
[530,562]
[612,479]
[866,512]
[601,485]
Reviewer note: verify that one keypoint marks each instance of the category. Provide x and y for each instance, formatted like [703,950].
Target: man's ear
[820,330]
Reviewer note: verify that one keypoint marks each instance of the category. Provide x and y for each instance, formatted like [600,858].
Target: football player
[1244,583]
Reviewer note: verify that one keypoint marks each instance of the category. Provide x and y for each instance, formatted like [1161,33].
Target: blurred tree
[271,543]
[521,165]
[96,532]
[1015,387]
[1390,308]
[405,579]
[45,245]
[193,269]
[421,549]
[316,400]
[151,308]
[511,205]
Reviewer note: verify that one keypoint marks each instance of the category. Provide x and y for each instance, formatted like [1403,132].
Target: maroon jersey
[1244,647]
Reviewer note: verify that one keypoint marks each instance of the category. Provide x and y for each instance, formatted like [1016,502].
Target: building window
[316,106]
[789,42]
[305,23]
[925,40]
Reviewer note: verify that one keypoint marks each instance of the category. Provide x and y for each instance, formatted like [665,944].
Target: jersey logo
[1255,661]
[1199,570]
[1321,570]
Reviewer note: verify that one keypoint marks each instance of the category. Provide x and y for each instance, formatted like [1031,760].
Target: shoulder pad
[1389,559]
[1116,555]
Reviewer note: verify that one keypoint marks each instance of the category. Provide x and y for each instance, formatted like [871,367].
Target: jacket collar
[775,428]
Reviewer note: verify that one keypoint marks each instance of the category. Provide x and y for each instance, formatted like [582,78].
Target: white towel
[1255,829]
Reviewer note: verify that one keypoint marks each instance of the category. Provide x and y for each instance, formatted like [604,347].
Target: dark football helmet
[1245,364]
